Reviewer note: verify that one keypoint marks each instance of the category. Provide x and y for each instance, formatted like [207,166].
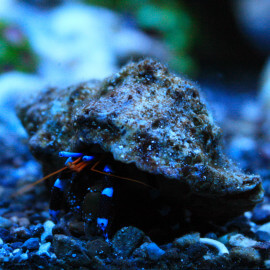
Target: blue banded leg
[57,192]
[57,195]
[105,204]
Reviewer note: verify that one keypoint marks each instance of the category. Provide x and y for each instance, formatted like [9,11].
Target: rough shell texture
[149,117]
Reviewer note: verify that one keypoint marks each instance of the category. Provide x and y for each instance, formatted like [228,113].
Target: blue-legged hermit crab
[143,135]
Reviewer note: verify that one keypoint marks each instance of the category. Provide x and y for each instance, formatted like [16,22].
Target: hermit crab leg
[58,189]
[105,203]
[57,197]
[57,192]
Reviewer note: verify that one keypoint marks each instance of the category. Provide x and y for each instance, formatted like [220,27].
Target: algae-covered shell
[146,116]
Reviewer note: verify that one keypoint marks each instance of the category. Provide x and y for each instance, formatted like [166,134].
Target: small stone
[58,229]
[187,240]
[66,246]
[98,247]
[172,254]
[14,219]
[44,249]
[37,218]
[5,235]
[16,255]
[4,255]
[16,245]
[240,240]
[36,230]
[240,224]
[24,257]
[225,238]
[31,244]
[24,222]
[211,235]
[267,264]
[48,226]
[265,228]
[7,248]
[77,227]
[262,236]
[126,240]
[5,223]
[40,261]
[196,251]
[153,251]
[261,216]
[21,233]
[246,255]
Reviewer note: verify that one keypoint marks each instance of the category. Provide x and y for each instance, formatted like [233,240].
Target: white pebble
[44,249]
[265,227]
[16,251]
[24,257]
[48,226]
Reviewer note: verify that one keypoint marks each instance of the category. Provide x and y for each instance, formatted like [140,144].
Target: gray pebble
[196,251]
[16,245]
[153,251]
[36,230]
[99,248]
[5,235]
[262,236]
[21,233]
[187,240]
[70,250]
[127,240]
[246,255]
[265,227]
[211,235]
[31,244]
[261,216]
[5,223]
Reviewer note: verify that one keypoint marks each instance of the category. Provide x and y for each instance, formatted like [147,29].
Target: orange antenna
[117,176]
[32,185]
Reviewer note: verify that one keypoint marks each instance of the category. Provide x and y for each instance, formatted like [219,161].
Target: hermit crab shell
[146,116]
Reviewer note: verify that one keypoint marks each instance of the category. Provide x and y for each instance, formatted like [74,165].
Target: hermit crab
[143,134]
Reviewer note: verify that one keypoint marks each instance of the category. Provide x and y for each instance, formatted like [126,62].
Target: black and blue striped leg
[57,192]
[57,198]
[105,204]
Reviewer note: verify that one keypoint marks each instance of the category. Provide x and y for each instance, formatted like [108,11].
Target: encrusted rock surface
[147,116]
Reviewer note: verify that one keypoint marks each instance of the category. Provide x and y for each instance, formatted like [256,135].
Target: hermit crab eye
[69,154]
[87,158]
